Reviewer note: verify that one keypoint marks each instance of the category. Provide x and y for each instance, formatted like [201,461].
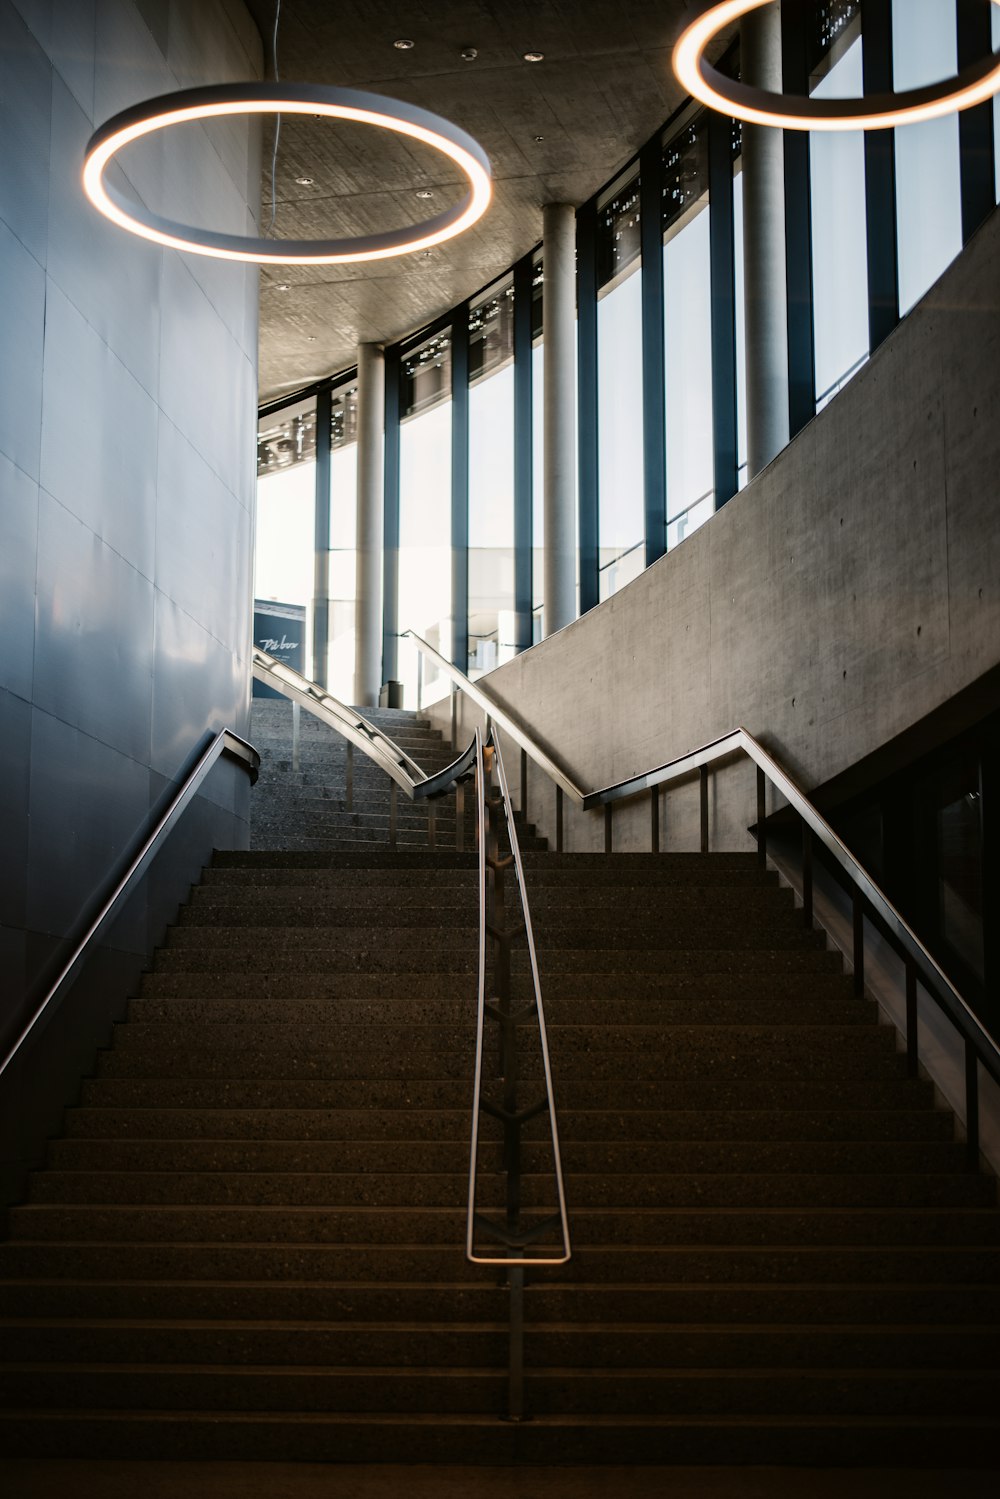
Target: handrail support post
[807,876]
[703,798]
[654,819]
[858,922]
[762,817]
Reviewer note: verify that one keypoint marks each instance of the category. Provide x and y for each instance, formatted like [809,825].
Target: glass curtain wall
[687,285]
[928,185]
[343,539]
[742,463]
[491,480]
[838,208]
[621,501]
[425,513]
[284,555]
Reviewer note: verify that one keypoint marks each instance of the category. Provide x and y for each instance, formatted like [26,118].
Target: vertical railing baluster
[431,825]
[761,816]
[459,816]
[912,1035]
[971,1106]
[654,819]
[454,721]
[559,820]
[608,827]
[296,713]
[349,796]
[858,914]
[393,812]
[807,876]
[703,789]
[524,785]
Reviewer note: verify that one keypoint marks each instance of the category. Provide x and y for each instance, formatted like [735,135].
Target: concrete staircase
[305,806]
[248,1244]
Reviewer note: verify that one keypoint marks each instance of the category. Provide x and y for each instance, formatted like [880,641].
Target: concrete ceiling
[554,131]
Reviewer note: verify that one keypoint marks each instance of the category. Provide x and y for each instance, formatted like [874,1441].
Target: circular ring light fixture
[973,85]
[198,104]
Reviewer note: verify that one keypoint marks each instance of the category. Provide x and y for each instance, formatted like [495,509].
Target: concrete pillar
[764,249]
[559,332]
[368,606]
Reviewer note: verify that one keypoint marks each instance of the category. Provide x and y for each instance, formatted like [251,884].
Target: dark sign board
[279,629]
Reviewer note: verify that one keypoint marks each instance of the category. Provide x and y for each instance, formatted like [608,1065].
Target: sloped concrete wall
[847,592]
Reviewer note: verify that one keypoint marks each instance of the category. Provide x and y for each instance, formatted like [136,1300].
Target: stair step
[598,1127]
[557,1391]
[483,1439]
[445,1225]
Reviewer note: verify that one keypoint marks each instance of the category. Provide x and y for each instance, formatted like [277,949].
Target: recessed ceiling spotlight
[404,44]
[533,56]
[304,181]
[538,139]
[427,255]
[282,286]
[310,338]
[469,54]
[425,192]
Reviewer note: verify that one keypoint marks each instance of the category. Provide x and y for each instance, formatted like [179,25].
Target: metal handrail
[514,1236]
[347,721]
[502,718]
[867,895]
[225,742]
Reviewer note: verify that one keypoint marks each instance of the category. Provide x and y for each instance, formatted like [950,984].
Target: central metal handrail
[512,1238]
[867,898]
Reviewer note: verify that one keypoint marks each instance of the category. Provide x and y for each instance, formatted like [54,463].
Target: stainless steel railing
[868,900]
[513,1240]
[403,772]
[516,1240]
[224,743]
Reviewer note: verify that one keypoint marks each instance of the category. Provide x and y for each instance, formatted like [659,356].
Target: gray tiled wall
[127,424]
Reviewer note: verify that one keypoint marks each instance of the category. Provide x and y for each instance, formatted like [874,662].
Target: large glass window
[425,513]
[537,455]
[687,280]
[621,504]
[343,539]
[491,480]
[739,289]
[838,213]
[284,555]
[928,184]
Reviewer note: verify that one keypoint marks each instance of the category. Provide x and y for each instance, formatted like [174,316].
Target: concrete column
[764,249]
[559,332]
[368,606]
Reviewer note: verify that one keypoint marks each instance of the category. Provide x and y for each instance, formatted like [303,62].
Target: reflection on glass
[491,481]
[343,540]
[688,332]
[928,187]
[284,555]
[839,231]
[425,514]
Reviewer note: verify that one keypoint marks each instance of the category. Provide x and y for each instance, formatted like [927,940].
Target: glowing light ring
[973,85]
[198,104]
